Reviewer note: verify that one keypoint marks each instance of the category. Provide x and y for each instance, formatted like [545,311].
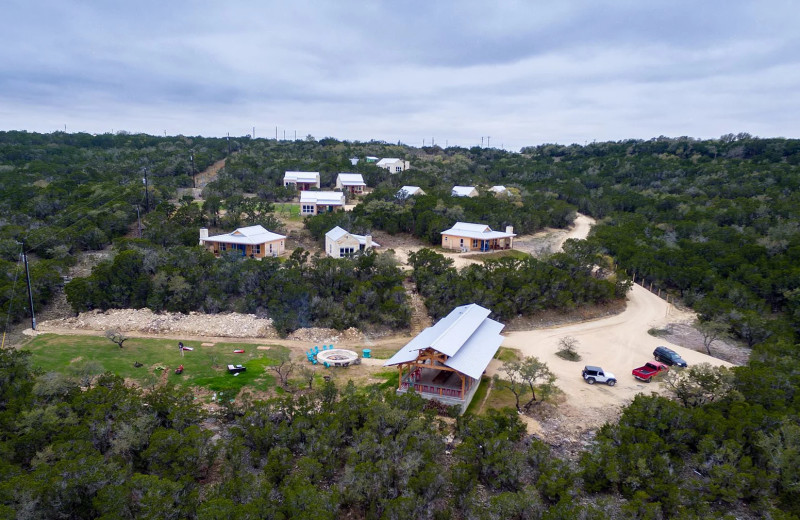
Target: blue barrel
[367,353]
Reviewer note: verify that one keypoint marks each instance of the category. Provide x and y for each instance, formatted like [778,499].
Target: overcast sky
[520,72]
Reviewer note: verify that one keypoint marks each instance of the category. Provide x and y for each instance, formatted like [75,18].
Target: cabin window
[223,246]
[346,252]
[257,249]
[308,208]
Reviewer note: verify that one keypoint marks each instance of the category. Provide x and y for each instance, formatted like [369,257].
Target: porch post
[463,380]
[400,378]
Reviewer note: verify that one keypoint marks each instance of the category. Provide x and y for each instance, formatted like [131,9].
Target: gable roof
[330,198]
[463,191]
[301,176]
[466,335]
[250,235]
[481,231]
[388,161]
[498,189]
[351,179]
[337,233]
[407,191]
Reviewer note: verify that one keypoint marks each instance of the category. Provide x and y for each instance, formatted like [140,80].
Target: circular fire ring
[338,357]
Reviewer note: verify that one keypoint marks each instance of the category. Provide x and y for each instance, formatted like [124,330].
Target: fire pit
[338,357]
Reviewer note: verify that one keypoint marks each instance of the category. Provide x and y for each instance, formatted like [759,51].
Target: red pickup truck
[650,369]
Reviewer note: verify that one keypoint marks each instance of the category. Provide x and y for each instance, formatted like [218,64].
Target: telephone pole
[487,141]
[191,157]
[28,280]
[139,220]
[146,193]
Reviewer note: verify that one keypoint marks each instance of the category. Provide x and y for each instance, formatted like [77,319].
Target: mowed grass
[288,210]
[204,366]
[496,255]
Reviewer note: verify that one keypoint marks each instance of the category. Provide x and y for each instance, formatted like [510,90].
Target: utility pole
[276,132]
[30,291]
[254,132]
[295,135]
[487,141]
[139,220]
[146,193]
[191,157]
[481,141]
[229,143]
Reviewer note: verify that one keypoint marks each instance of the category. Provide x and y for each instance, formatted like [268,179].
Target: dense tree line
[512,287]
[62,194]
[297,292]
[111,451]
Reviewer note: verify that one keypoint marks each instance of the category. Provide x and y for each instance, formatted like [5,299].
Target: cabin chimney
[368,242]
[203,234]
[509,229]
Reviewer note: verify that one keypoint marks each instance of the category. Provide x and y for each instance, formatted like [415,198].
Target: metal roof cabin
[445,362]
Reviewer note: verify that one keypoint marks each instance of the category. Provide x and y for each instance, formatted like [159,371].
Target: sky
[506,74]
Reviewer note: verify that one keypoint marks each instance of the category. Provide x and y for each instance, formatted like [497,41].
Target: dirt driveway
[617,344]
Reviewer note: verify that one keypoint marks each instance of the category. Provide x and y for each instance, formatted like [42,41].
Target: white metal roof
[466,335]
[250,235]
[498,189]
[463,191]
[331,198]
[407,191]
[351,179]
[479,231]
[387,161]
[337,233]
[301,176]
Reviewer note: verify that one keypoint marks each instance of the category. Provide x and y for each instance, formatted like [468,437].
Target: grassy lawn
[480,394]
[205,366]
[507,354]
[288,210]
[379,353]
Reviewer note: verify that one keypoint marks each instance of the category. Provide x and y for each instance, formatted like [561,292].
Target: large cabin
[445,362]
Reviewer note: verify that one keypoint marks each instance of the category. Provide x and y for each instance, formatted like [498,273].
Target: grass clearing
[380,352]
[288,210]
[480,395]
[204,366]
[392,378]
[507,354]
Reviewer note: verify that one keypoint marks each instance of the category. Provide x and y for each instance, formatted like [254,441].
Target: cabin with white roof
[445,362]
[393,165]
[339,243]
[466,237]
[409,191]
[252,241]
[464,191]
[316,202]
[302,181]
[352,182]
[499,190]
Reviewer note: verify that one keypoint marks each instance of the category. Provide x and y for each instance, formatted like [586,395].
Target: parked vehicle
[649,370]
[594,375]
[669,356]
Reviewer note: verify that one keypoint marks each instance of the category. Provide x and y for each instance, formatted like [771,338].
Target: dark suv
[668,356]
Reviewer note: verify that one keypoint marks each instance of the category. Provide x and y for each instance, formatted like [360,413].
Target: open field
[205,366]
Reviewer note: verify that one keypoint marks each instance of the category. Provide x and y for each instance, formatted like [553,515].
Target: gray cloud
[522,72]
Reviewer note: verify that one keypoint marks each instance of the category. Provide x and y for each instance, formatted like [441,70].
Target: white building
[499,190]
[352,182]
[316,202]
[464,191]
[393,165]
[341,244]
[302,180]
[409,191]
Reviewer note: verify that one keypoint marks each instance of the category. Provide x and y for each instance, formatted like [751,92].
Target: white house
[341,244]
[499,190]
[445,362]
[477,237]
[315,202]
[464,191]
[409,191]
[352,182]
[252,241]
[393,165]
[302,180]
